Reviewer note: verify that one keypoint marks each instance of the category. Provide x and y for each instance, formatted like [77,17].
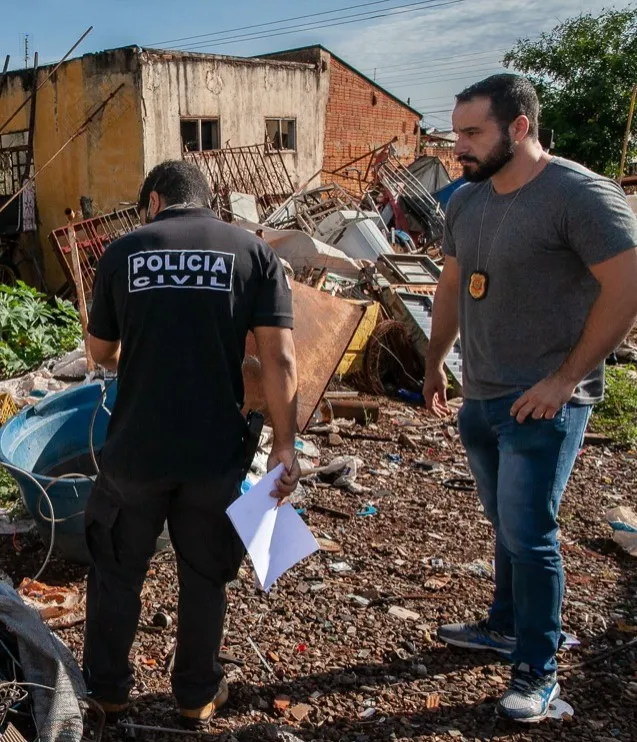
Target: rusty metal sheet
[323,329]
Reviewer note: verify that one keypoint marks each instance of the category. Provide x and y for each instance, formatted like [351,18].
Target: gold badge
[478,284]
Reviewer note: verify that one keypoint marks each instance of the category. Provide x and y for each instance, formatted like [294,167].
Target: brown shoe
[196,719]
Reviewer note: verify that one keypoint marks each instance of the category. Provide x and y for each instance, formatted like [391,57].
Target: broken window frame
[199,121]
[271,146]
[14,160]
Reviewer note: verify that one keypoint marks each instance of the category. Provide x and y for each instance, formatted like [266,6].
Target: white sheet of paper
[276,538]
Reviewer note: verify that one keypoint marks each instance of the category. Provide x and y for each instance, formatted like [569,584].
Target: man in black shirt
[172,305]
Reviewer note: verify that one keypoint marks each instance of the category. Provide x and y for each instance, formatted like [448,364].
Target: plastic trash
[412,397]
[368,510]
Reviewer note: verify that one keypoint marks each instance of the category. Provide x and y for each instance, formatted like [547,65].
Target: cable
[424,60]
[425,77]
[91,428]
[437,69]
[443,77]
[422,6]
[469,75]
[269,23]
[49,503]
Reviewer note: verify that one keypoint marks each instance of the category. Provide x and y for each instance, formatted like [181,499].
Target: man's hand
[544,399]
[286,485]
[435,391]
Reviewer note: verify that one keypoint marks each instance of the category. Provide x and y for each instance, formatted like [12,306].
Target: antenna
[27,54]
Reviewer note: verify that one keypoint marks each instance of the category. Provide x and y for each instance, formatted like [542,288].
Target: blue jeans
[521,471]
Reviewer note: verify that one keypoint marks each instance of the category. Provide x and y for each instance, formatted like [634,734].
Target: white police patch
[180,269]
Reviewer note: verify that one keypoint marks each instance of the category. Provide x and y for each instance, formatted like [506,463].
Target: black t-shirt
[181,294]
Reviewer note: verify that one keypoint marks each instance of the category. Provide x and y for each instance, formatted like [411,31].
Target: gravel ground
[356,672]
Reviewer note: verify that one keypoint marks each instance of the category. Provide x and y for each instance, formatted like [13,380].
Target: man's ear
[520,128]
[154,206]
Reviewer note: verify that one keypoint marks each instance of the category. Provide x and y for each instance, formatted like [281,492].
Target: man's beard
[499,156]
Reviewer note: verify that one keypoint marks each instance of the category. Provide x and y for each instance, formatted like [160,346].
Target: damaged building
[297,112]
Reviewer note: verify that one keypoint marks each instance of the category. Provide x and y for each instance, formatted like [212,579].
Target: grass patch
[616,416]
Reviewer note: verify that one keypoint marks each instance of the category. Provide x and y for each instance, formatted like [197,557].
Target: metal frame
[246,169]
[92,236]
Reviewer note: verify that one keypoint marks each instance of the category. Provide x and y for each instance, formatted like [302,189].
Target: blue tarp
[444,194]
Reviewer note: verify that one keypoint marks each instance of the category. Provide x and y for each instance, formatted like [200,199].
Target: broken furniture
[253,170]
[92,237]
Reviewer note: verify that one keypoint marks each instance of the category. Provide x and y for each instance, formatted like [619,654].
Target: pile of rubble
[344,646]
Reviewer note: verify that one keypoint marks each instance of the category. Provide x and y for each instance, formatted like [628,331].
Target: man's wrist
[564,376]
[434,362]
[285,445]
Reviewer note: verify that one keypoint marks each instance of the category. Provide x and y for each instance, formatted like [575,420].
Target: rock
[334,439]
[301,711]
[281,703]
[421,671]
[408,441]
[403,613]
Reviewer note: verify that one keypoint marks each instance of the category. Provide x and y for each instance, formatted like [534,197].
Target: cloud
[469,31]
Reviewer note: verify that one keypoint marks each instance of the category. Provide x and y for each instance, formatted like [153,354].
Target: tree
[584,70]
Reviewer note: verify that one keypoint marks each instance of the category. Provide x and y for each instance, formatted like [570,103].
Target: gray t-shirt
[540,290]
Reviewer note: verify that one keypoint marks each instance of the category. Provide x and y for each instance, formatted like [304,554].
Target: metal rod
[4,77]
[47,78]
[30,156]
[263,660]
[71,139]
[629,126]
[79,290]
[371,153]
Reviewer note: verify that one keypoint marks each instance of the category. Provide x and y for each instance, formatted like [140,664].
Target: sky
[423,52]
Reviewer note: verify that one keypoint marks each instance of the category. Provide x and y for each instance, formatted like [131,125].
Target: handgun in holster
[254,426]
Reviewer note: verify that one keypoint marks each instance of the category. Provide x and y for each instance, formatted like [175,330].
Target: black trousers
[123,522]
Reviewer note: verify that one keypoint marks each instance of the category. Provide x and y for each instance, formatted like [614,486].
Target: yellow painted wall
[106,163]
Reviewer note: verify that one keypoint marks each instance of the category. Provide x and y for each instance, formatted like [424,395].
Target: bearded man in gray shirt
[540,279]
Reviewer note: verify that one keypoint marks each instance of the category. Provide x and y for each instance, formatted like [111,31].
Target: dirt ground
[429,550]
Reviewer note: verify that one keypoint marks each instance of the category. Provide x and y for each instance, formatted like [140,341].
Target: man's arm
[105,352]
[609,321]
[444,332]
[278,361]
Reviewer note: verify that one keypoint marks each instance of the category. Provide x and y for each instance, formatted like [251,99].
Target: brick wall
[360,117]
[447,157]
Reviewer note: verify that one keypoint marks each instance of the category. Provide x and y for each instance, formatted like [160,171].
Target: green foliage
[9,492]
[33,329]
[616,416]
[584,70]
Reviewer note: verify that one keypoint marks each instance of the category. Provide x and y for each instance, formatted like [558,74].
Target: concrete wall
[105,163]
[242,93]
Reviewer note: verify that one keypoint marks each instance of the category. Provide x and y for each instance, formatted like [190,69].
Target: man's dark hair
[510,95]
[178,182]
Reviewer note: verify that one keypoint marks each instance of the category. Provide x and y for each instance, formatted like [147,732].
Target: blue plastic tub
[51,438]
